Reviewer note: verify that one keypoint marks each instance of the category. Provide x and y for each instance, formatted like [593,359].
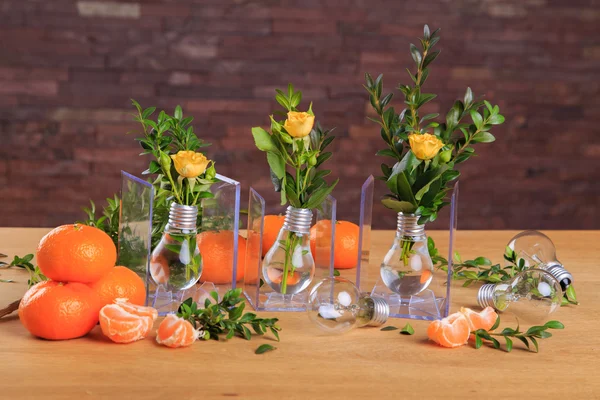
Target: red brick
[323,26]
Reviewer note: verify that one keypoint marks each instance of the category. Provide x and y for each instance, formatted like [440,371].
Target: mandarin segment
[76,253]
[452,331]
[56,311]
[175,331]
[480,320]
[124,322]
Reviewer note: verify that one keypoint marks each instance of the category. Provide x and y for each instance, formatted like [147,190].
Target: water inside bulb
[407,268]
[176,263]
[289,267]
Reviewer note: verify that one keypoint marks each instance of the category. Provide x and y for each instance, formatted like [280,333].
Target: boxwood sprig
[226,317]
[528,338]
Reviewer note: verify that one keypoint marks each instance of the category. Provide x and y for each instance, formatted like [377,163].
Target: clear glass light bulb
[336,306]
[175,262]
[538,251]
[531,295]
[407,268]
[288,266]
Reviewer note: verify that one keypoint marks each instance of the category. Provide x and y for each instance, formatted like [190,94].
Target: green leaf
[277,164]
[478,341]
[483,137]
[416,55]
[477,119]
[319,196]
[263,348]
[468,99]
[535,343]
[397,205]
[336,272]
[430,57]
[570,293]
[496,119]
[263,140]
[407,330]
[175,248]
[482,261]
[389,328]
[509,344]
[554,325]
[424,181]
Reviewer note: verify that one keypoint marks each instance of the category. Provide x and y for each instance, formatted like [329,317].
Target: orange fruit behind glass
[76,253]
[56,311]
[216,249]
[345,254]
[272,226]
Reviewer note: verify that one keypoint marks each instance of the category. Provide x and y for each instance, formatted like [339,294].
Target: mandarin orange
[216,249]
[345,255]
[120,283]
[76,253]
[272,226]
[56,311]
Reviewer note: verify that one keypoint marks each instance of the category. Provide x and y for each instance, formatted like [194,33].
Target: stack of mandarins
[79,262]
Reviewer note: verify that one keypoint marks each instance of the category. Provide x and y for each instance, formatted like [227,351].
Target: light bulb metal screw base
[182,217]
[408,225]
[563,276]
[485,296]
[380,310]
[298,220]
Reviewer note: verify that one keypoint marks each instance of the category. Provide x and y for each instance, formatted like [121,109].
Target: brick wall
[67,70]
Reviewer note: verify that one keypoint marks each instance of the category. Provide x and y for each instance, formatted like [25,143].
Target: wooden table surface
[364,363]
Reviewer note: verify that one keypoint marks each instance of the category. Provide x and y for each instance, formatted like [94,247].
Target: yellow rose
[425,146]
[190,164]
[299,124]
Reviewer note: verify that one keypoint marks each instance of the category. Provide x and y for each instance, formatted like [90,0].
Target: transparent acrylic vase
[135,226]
[219,229]
[260,295]
[430,304]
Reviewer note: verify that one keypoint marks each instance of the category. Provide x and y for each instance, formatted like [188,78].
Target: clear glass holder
[219,214]
[260,295]
[431,304]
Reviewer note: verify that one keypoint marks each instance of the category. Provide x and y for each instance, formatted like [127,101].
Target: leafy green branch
[425,162]
[303,154]
[35,275]
[226,317]
[528,337]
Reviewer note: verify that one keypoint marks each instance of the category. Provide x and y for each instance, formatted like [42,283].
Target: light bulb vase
[278,278]
[176,263]
[408,280]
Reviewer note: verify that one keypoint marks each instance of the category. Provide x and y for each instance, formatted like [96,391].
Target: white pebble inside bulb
[544,289]
[328,311]
[344,298]
[297,257]
[416,264]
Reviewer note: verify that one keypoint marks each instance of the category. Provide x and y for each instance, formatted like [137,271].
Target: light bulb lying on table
[539,251]
[288,266]
[531,295]
[336,306]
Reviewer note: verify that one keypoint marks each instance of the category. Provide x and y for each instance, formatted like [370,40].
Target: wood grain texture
[365,363]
